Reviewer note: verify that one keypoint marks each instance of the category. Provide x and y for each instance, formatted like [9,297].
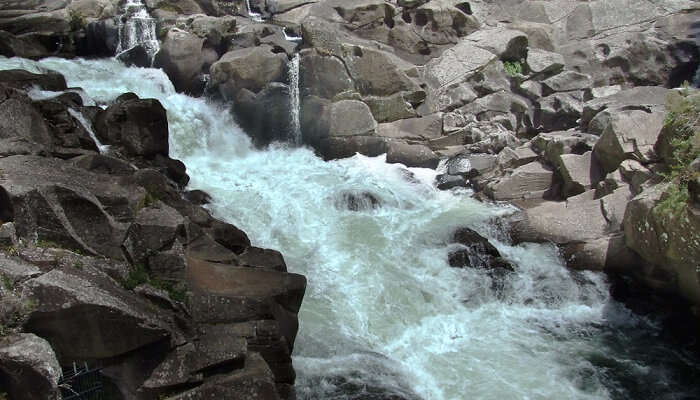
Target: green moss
[513,68]
[77,21]
[682,125]
[7,283]
[138,275]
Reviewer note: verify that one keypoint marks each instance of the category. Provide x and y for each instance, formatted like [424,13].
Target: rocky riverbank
[106,260]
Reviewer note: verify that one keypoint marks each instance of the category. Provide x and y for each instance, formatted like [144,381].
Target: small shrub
[77,21]
[513,68]
[682,124]
[138,275]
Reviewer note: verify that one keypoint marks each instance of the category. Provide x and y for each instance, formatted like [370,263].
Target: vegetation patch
[513,68]
[138,275]
[682,129]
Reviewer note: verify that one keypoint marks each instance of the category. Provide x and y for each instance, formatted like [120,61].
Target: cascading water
[88,127]
[255,16]
[136,27]
[294,105]
[384,316]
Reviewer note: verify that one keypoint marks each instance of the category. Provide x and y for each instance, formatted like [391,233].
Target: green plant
[682,126]
[46,244]
[513,68]
[7,283]
[138,275]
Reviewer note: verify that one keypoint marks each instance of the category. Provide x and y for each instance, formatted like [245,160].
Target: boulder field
[569,110]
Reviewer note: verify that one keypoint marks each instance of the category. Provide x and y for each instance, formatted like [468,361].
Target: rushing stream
[384,316]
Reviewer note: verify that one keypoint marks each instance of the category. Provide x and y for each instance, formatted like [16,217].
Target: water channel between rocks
[384,316]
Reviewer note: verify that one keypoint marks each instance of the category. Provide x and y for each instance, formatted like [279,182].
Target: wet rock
[198,197]
[411,155]
[228,236]
[21,79]
[181,56]
[446,181]
[28,368]
[250,68]
[138,126]
[357,201]
[475,252]
[136,56]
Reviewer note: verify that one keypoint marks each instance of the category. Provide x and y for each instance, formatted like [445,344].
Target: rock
[475,252]
[579,172]
[28,368]
[20,119]
[470,165]
[376,72]
[250,68]
[255,380]
[101,39]
[182,58]
[631,134]
[514,158]
[566,81]
[21,79]
[256,257]
[388,109]
[266,116]
[411,155]
[154,229]
[635,174]
[425,128]
[343,147]
[90,302]
[140,127]
[551,145]
[579,225]
[223,293]
[323,76]
[102,164]
[457,63]
[54,201]
[507,44]
[544,63]
[136,56]
[669,246]
[559,111]
[350,118]
[8,235]
[530,180]
[649,97]
[198,197]
[356,201]
[446,181]
[228,236]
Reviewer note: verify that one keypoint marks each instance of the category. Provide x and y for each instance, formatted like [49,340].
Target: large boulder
[28,368]
[457,63]
[531,180]
[138,126]
[631,134]
[248,68]
[20,119]
[588,230]
[112,321]
[50,200]
[182,58]
[669,243]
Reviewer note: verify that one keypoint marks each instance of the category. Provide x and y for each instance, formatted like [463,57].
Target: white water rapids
[384,316]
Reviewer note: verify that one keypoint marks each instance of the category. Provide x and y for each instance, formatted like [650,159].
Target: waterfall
[88,127]
[257,17]
[384,315]
[137,27]
[290,38]
[293,75]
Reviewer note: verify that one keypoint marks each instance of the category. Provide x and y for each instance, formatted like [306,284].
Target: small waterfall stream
[384,316]
[294,104]
[137,27]
[255,16]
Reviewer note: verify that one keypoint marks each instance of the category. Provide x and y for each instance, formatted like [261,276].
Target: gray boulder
[138,126]
[532,180]
[411,155]
[181,56]
[249,68]
[28,368]
[631,134]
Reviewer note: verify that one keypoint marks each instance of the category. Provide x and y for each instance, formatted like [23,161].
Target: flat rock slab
[530,180]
